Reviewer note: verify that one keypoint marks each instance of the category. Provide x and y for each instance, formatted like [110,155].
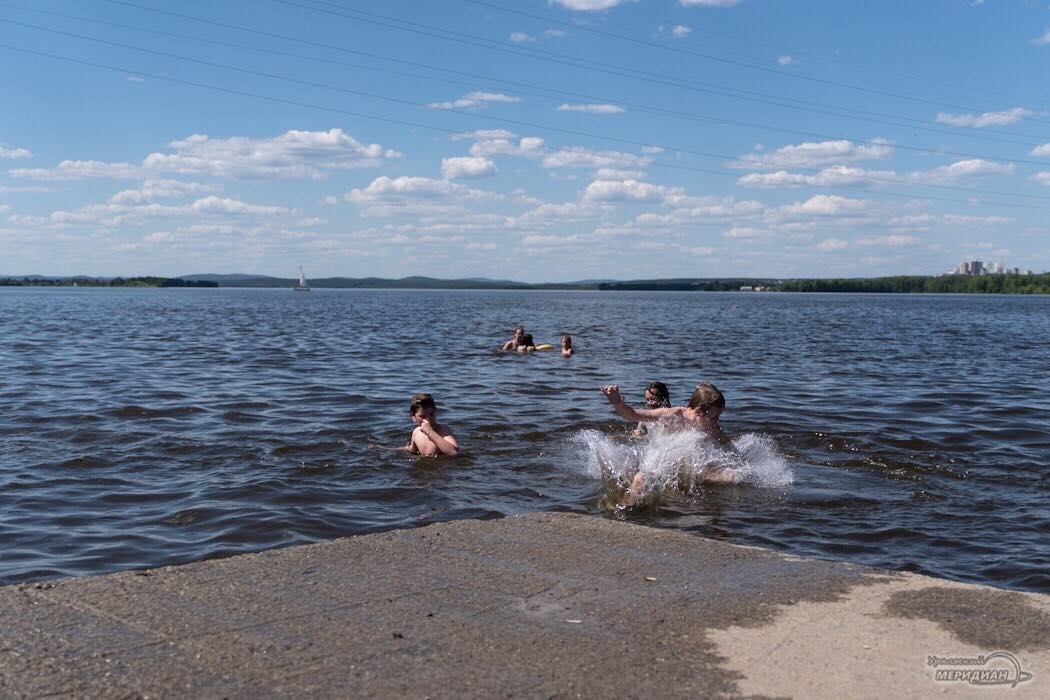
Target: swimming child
[566,346]
[656,396]
[429,438]
[527,344]
[701,413]
[516,340]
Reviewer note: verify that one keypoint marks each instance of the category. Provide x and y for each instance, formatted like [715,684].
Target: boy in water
[430,437]
[702,413]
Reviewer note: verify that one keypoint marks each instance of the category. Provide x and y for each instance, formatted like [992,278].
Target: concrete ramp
[539,605]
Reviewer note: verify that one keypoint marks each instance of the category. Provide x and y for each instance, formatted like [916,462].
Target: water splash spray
[681,460]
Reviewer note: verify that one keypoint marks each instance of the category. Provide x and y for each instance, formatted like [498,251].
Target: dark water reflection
[147,427]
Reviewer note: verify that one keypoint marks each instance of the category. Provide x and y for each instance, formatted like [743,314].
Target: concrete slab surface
[544,605]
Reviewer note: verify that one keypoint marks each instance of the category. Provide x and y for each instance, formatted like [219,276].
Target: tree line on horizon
[916,284]
[101,282]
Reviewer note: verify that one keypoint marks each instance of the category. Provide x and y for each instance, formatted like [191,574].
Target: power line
[643,42]
[680,114]
[414,124]
[562,59]
[361,93]
[706,56]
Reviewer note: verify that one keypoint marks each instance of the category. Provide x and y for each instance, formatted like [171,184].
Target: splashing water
[681,460]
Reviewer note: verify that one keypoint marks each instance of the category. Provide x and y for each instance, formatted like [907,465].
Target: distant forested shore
[103,282]
[903,284]
[948,284]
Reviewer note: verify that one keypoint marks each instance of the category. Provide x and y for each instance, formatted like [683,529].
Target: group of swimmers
[701,413]
[523,342]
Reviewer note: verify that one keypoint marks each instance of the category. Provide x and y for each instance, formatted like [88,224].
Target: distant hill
[419,282]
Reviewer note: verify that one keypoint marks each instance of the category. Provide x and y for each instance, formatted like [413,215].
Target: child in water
[527,344]
[702,413]
[516,340]
[566,346]
[656,396]
[429,438]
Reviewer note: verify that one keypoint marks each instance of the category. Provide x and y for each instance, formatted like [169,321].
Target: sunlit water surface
[149,427]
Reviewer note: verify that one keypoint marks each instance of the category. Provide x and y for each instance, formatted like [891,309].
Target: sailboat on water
[302,286]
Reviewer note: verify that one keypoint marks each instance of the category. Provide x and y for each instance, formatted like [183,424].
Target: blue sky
[523,139]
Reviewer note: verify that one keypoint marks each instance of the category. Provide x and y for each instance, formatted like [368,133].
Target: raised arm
[447,444]
[644,415]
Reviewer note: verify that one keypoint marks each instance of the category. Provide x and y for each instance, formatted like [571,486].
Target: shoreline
[543,604]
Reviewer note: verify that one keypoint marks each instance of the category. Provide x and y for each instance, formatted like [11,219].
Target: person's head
[519,332]
[422,408]
[657,396]
[527,339]
[707,399]
[566,342]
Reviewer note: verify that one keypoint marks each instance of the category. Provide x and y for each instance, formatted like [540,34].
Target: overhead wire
[377,96]
[706,56]
[502,82]
[421,125]
[586,64]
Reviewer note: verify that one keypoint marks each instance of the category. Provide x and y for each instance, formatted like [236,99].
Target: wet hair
[568,338]
[519,328]
[660,389]
[420,402]
[526,340]
[705,397]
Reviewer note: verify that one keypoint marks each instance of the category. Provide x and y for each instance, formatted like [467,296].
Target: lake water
[144,427]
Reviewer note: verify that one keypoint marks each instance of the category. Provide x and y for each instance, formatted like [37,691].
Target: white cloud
[817,154]
[829,177]
[556,33]
[974,167]
[482,134]
[785,60]
[891,241]
[831,244]
[294,154]
[467,167]
[415,196]
[628,190]
[521,37]
[548,241]
[580,157]
[526,147]
[475,100]
[1042,178]
[14,153]
[69,170]
[977,121]
[591,108]
[680,31]
[1043,150]
[707,3]
[614,174]
[653,149]
[827,205]
[589,5]
[1042,40]
[152,190]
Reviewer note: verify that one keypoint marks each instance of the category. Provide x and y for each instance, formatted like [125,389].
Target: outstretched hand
[612,392]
